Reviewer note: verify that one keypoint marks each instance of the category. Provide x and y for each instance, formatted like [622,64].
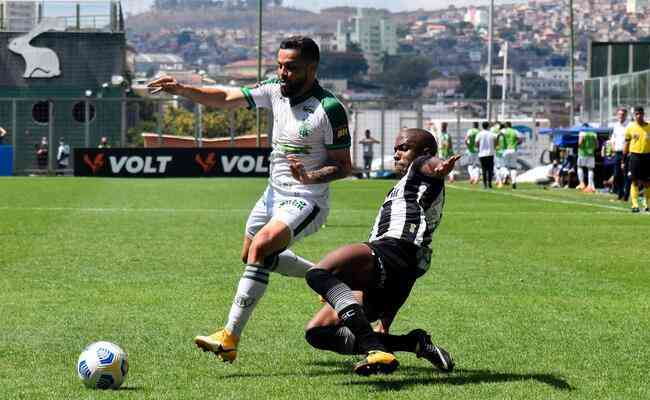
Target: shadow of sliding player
[461,377]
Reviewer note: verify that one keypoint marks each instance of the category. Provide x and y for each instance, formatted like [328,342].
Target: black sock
[355,319]
[336,338]
[395,343]
[340,297]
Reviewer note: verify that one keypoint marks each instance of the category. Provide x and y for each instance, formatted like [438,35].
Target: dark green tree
[342,65]
[406,75]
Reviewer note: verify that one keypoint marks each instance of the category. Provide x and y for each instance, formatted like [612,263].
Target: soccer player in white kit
[311,147]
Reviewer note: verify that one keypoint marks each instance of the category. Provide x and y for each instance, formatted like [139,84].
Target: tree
[473,86]
[342,65]
[406,75]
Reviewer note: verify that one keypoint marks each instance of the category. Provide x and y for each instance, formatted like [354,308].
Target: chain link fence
[36,127]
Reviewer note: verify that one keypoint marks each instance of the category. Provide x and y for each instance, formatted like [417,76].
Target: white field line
[543,199]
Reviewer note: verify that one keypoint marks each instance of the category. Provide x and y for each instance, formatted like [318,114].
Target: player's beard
[290,89]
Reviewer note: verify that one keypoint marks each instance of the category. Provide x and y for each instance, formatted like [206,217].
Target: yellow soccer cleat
[222,343]
[376,362]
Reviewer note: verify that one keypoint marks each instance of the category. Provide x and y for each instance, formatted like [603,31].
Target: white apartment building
[375,34]
[636,6]
[18,16]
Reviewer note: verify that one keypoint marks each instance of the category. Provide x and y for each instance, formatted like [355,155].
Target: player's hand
[298,170]
[165,83]
[445,167]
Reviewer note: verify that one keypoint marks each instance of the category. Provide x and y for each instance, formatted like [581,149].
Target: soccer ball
[103,365]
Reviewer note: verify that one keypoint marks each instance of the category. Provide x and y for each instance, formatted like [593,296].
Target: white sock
[513,175]
[290,264]
[581,176]
[251,288]
[590,174]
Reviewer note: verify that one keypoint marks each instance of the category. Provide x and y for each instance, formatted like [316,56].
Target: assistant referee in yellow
[637,148]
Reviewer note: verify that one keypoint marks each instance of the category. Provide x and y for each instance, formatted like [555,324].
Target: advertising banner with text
[172,163]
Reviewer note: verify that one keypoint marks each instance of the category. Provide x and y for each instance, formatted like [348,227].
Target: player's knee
[262,246]
[319,280]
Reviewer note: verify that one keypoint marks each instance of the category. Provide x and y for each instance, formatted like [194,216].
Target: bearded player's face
[292,71]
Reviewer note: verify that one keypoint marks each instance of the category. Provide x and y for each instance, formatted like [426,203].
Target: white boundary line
[535,198]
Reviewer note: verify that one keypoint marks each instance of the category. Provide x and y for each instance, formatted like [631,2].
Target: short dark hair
[485,125]
[307,47]
[638,109]
[508,124]
[424,139]
[475,124]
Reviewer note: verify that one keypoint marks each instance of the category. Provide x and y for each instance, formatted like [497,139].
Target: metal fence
[36,124]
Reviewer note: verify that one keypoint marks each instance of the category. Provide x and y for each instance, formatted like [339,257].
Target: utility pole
[258,140]
[572,94]
[489,80]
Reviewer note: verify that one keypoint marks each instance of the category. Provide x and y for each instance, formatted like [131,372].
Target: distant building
[18,16]
[636,6]
[373,32]
[442,87]
[247,69]
[477,17]
[149,64]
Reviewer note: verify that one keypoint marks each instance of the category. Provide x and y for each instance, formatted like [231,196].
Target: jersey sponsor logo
[96,163]
[208,163]
[342,131]
[308,109]
[305,129]
[137,164]
[299,204]
[243,164]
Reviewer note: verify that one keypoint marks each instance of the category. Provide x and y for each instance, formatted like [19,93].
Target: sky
[135,6]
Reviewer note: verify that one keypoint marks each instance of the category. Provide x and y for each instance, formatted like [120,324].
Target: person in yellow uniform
[637,148]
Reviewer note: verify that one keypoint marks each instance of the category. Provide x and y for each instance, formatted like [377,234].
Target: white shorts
[469,159]
[510,158]
[302,215]
[499,162]
[586,162]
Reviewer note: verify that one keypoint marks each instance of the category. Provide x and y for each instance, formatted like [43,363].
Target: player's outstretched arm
[338,165]
[211,97]
[438,168]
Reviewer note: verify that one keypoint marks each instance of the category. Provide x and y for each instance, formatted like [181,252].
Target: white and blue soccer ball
[103,365]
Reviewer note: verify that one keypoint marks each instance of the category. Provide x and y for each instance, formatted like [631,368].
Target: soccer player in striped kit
[385,268]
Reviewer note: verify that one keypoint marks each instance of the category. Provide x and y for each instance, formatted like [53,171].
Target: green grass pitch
[538,294]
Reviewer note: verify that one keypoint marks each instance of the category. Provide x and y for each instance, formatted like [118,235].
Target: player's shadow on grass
[461,377]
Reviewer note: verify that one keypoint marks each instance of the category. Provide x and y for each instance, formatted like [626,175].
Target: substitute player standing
[587,145]
[512,139]
[385,268]
[471,154]
[310,129]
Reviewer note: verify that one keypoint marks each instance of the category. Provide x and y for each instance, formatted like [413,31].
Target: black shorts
[396,265]
[640,166]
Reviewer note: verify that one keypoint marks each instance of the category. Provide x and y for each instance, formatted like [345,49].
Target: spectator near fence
[42,151]
[3,133]
[367,144]
[62,156]
[103,143]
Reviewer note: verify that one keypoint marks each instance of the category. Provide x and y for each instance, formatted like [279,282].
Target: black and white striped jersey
[412,209]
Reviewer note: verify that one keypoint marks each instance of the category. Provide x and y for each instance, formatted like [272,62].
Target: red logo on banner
[95,164]
[206,164]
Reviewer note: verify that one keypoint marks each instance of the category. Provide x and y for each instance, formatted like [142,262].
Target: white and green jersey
[307,126]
